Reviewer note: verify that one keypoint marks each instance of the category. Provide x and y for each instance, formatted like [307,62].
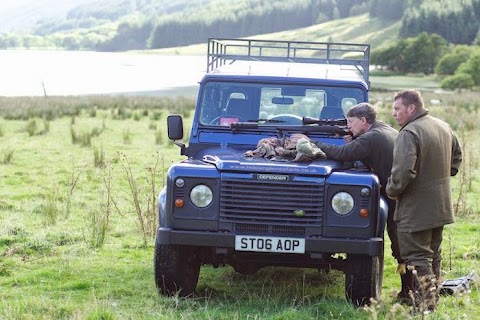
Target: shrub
[156,115]
[98,157]
[50,208]
[127,137]
[472,67]
[159,137]
[151,126]
[84,138]
[6,157]
[448,64]
[46,127]
[31,127]
[458,81]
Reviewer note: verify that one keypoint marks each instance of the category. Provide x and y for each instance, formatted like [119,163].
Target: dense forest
[147,24]
[117,25]
[456,21]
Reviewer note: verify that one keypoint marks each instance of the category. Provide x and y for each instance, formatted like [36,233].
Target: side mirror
[175,131]
[175,127]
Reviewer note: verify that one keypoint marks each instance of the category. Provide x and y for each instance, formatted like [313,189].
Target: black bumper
[372,247]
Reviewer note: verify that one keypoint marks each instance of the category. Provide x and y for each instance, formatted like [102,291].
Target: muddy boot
[403,296]
[436,266]
[425,289]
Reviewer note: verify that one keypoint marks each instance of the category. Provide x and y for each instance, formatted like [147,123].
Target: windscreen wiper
[252,124]
[243,125]
[266,121]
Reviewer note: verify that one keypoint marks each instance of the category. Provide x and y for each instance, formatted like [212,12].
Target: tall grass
[99,157]
[51,207]
[96,261]
[73,180]
[465,175]
[127,136]
[144,198]
[31,127]
[160,137]
[24,108]
[6,156]
[101,214]
[84,136]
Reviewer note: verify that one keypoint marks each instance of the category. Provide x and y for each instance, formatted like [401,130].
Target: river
[63,73]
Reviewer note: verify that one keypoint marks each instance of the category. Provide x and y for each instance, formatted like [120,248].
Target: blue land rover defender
[222,207]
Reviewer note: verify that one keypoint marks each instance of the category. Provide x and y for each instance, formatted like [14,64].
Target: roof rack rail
[223,50]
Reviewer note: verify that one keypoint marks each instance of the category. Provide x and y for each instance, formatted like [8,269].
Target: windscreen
[225,102]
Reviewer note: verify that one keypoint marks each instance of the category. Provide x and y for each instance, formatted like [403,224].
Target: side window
[211,104]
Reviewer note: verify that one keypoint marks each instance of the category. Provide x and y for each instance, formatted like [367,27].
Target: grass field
[71,246]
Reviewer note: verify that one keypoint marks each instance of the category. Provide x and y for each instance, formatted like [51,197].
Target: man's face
[357,126]
[401,112]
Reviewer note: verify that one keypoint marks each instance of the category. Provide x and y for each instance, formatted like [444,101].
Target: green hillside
[121,25]
[358,29]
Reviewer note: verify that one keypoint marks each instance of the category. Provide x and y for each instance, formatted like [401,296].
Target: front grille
[270,206]
[265,229]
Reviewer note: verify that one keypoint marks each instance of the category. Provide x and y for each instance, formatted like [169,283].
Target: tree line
[458,21]
[457,65]
[149,24]
[117,25]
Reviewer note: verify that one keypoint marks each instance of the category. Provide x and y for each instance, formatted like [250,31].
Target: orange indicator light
[364,213]
[179,203]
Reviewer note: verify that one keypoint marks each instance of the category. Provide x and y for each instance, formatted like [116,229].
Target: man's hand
[347,138]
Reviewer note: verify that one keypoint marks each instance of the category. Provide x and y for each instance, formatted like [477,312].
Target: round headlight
[201,195]
[342,203]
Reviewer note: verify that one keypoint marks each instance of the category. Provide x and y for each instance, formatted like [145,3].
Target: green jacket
[425,155]
[374,148]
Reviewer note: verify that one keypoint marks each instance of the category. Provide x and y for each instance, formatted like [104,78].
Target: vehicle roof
[289,71]
[321,62]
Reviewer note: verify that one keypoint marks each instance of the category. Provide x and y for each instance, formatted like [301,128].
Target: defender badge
[272,177]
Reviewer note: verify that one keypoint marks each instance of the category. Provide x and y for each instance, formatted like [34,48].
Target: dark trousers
[392,230]
[421,248]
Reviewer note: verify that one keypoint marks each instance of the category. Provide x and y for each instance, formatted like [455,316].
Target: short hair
[410,96]
[363,110]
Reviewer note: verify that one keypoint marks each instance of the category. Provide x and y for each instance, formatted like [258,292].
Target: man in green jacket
[425,155]
[372,144]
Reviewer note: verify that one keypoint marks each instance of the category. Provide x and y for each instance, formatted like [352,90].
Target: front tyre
[363,278]
[176,269]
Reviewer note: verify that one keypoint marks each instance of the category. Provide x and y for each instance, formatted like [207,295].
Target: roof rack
[223,50]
